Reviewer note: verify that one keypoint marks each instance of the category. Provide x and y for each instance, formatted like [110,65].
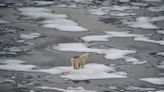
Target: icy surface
[110,34]
[134,61]
[140,88]
[3,22]
[52,20]
[15,65]
[111,53]
[160,32]
[160,53]
[161,65]
[156,81]
[69,89]
[159,91]
[90,71]
[30,36]
[44,2]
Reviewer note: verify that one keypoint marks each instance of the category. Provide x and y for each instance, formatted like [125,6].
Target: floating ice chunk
[141,22]
[160,53]
[160,32]
[111,53]
[56,21]
[161,65]
[139,4]
[90,71]
[44,2]
[159,18]
[124,1]
[69,89]
[95,38]
[156,81]
[140,88]
[30,36]
[146,39]
[123,8]
[156,9]
[15,65]
[15,49]
[3,22]
[94,71]
[134,61]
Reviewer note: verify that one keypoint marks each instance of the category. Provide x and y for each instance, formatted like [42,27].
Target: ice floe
[153,0]
[44,2]
[110,34]
[15,65]
[106,10]
[161,65]
[121,14]
[69,89]
[140,88]
[160,32]
[160,53]
[110,53]
[52,20]
[30,36]
[90,71]
[156,81]
[3,22]
[134,61]
[144,22]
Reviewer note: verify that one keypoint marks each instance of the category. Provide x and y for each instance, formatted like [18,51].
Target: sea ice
[90,71]
[30,36]
[156,81]
[160,32]
[44,2]
[134,61]
[69,89]
[3,22]
[110,34]
[156,9]
[160,53]
[52,20]
[140,88]
[161,65]
[111,53]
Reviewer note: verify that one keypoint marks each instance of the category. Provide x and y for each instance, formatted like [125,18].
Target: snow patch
[52,20]
[156,81]
[44,2]
[160,32]
[156,9]
[161,65]
[140,88]
[111,53]
[160,53]
[134,61]
[3,22]
[69,89]
[136,37]
[90,71]
[30,36]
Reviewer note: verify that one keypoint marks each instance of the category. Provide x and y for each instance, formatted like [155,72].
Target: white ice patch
[156,9]
[30,36]
[140,88]
[15,65]
[90,71]
[161,65]
[110,34]
[134,61]
[160,32]
[3,22]
[69,89]
[111,53]
[56,21]
[160,53]
[144,22]
[44,2]
[156,81]
[106,10]
[141,22]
